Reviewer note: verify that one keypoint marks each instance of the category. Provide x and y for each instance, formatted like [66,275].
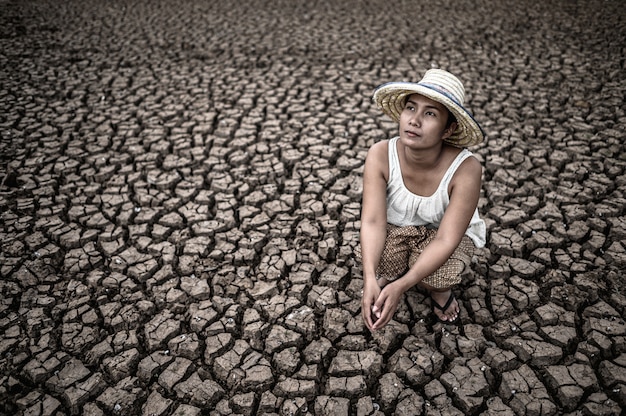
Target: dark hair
[451,119]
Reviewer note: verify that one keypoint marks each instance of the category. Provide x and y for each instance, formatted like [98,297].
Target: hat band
[446,94]
[442,91]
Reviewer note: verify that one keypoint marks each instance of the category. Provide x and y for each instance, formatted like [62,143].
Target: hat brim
[391,98]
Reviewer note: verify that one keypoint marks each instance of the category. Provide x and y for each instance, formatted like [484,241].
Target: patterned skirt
[404,245]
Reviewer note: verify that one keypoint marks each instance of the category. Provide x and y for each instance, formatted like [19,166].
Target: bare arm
[373,223]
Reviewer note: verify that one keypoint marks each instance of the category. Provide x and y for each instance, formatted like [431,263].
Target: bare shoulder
[472,164]
[378,154]
[378,149]
[377,161]
[469,171]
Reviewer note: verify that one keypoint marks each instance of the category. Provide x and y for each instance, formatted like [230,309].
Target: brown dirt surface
[180,187]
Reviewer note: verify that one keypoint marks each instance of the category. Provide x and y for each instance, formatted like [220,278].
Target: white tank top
[405,208]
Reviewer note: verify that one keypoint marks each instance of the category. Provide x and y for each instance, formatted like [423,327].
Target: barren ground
[180,191]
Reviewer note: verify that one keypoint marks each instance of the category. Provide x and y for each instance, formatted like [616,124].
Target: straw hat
[440,86]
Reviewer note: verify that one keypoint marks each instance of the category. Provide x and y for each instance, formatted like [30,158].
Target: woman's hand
[371,292]
[386,305]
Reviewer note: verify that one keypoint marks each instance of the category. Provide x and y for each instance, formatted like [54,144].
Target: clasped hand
[380,304]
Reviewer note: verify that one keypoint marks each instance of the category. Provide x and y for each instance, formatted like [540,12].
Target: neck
[424,158]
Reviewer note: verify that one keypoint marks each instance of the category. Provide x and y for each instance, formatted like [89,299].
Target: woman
[419,218]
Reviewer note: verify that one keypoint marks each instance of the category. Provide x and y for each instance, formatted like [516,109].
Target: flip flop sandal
[443,309]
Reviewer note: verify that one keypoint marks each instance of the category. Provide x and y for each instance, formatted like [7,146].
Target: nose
[415,120]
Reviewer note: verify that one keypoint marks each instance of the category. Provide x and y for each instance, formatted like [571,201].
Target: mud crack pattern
[180,187]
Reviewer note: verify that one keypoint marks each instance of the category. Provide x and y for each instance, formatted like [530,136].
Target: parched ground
[180,188]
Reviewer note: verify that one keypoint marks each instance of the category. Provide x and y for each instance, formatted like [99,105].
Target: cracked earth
[180,189]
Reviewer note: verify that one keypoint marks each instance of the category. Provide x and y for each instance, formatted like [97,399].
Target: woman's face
[423,121]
